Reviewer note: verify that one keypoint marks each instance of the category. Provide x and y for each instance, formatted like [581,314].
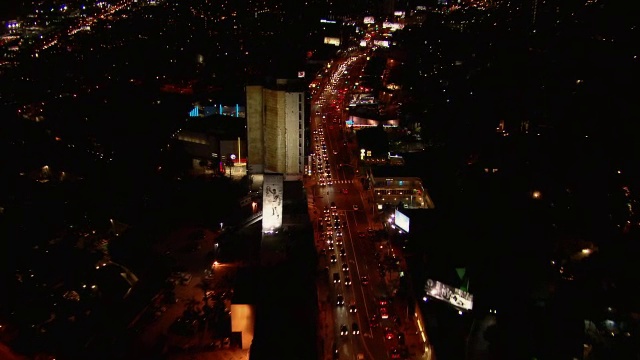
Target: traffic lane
[370,342]
[377,290]
[357,297]
[334,144]
[368,247]
[344,202]
[358,291]
[364,247]
[364,265]
[342,318]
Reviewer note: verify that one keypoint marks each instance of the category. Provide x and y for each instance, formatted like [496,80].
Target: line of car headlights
[332,219]
[321,158]
[344,329]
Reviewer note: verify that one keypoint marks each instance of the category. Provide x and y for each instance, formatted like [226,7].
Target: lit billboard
[382,43]
[392,26]
[398,13]
[272,202]
[363,43]
[332,41]
[402,221]
[369,20]
[456,297]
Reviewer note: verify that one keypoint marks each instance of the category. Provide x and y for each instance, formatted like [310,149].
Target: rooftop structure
[392,185]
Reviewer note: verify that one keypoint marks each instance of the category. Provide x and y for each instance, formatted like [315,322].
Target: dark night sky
[9,8]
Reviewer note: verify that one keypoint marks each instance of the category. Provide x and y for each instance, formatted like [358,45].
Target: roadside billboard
[332,41]
[381,43]
[392,26]
[402,221]
[369,20]
[272,202]
[456,297]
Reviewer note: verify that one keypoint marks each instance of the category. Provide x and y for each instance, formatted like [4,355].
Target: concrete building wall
[294,132]
[243,321]
[274,131]
[255,132]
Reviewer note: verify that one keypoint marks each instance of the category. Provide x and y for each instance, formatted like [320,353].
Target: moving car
[355,329]
[374,321]
[384,314]
[344,330]
[389,334]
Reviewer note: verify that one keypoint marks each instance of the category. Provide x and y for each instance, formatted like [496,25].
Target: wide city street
[359,318]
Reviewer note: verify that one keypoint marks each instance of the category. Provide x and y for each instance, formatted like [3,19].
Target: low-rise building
[215,143]
[393,185]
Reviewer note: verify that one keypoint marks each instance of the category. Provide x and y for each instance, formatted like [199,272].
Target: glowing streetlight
[536,194]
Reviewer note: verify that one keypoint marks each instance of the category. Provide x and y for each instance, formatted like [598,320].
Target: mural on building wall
[272,202]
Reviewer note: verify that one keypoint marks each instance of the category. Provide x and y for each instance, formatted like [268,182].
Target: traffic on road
[362,323]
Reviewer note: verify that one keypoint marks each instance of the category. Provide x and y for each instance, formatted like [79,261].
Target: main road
[342,206]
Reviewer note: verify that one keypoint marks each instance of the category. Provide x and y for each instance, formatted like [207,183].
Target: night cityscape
[319,179]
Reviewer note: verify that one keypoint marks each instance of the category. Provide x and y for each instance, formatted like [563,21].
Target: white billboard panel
[382,43]
[363,43]
[398,13]
[402,221]
[369,20]
[272,202]
[332,41]
[456,297]
[392,25]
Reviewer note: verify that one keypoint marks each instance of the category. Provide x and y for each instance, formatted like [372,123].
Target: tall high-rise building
[275,128]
